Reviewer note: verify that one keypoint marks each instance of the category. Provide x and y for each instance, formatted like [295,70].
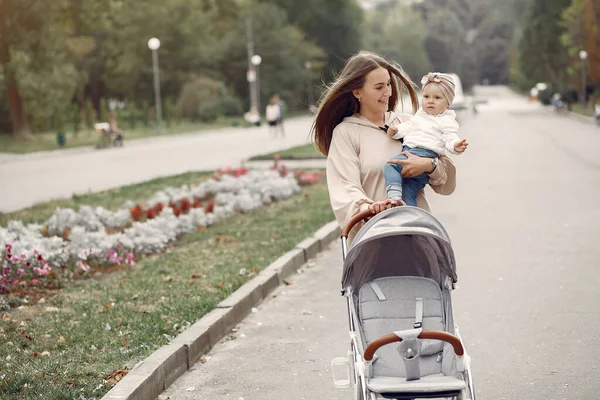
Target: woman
[350,129]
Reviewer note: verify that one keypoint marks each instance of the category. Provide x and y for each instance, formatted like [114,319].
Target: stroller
[398,274]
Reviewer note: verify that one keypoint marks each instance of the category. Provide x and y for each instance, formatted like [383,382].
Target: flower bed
[72,244]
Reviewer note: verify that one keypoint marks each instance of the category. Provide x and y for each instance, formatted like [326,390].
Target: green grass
[47,141]
[588,111]
[109,199]
[103,324]
[304,152]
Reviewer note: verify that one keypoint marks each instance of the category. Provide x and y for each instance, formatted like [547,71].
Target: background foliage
[65,63]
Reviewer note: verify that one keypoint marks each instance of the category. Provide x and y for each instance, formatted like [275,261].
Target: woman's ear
[356,94]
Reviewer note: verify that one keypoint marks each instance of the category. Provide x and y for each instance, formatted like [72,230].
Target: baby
[431,132]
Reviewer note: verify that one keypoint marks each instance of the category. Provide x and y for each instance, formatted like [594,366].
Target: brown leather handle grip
[354,220]
[426,334]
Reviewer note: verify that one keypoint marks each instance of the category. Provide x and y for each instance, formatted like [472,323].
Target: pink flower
[83,266]
[34,281]
[36,253]
[37,271]
[20,271]
[23,256]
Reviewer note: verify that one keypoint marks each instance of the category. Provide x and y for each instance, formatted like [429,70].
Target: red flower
[150,213]
[209,207]
[158,208]
[185,205]
[177,211]
[136,212]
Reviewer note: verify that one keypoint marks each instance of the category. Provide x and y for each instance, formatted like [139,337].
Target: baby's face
[434,102]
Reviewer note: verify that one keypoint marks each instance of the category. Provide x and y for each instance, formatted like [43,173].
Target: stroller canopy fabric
[402,241]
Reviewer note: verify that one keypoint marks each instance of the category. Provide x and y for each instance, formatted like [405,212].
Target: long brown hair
[338,101]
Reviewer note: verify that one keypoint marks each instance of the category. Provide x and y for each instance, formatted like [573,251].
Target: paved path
[34,178]
[525,225]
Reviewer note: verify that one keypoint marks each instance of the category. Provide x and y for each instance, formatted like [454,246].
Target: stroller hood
[402,241]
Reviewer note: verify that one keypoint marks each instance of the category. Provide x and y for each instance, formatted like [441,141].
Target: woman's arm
[346,193]
[442,178]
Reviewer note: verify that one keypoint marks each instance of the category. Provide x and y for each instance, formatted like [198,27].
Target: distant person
[273,113]
[432,132]
[597,111]
[281,105]
[557,102]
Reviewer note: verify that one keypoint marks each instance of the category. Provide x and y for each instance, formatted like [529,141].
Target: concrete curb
[147,380]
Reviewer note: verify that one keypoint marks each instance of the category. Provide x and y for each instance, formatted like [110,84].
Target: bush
[232,106]
[205,99]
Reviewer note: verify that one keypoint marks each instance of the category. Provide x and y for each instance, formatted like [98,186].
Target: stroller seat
[393,304]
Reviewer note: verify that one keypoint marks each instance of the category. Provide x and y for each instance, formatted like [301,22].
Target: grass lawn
[304,152]
[47,141]
[67,345]
[587,111]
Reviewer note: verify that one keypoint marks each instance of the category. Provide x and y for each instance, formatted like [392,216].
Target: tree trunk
[17,112]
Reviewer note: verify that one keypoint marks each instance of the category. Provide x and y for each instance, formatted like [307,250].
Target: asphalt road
[524,222]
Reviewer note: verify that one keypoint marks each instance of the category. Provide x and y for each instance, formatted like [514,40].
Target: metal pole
[159,129]
[250,49]
[257,89]
[583,84]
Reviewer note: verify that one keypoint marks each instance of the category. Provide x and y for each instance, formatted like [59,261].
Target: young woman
[350,128]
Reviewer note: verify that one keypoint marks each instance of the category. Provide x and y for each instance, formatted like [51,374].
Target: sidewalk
[33,179]
[284,349]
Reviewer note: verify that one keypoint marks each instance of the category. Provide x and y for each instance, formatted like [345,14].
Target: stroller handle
[354,220]
[426,334]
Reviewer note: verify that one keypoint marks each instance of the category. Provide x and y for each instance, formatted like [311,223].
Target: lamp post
[255,60]
[154,45]
[583,56]
[308,66]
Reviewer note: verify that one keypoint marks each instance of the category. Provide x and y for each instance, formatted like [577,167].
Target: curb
[148,379]
[571,114]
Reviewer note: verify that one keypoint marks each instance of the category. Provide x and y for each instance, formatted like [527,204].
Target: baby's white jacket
[434,132]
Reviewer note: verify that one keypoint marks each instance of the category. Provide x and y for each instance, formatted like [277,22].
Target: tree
[398,33]
[283,50]
[333,25]
[541,55]
[21,23]
[580,22]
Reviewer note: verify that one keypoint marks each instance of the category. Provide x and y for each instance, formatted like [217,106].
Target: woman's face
[434,102]
[376,92]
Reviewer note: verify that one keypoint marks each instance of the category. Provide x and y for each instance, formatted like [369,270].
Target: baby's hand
[461,146]
[392,130]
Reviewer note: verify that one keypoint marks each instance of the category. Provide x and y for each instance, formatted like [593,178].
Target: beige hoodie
[359,150]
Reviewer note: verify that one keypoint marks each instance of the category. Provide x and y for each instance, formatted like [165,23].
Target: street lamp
[583,56]
[308,66]
[154,45]
[256,60]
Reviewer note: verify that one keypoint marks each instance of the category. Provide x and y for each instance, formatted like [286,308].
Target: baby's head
[438,92]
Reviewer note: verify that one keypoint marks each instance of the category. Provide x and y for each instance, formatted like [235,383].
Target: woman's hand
[413,165]
[380,206]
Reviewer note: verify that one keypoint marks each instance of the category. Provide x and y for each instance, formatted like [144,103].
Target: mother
[350,130]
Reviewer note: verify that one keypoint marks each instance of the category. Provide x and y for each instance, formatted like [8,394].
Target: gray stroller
[398,274]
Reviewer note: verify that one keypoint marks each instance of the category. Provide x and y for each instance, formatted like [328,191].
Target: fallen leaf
[195,276]
[117,376]
[288,283]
